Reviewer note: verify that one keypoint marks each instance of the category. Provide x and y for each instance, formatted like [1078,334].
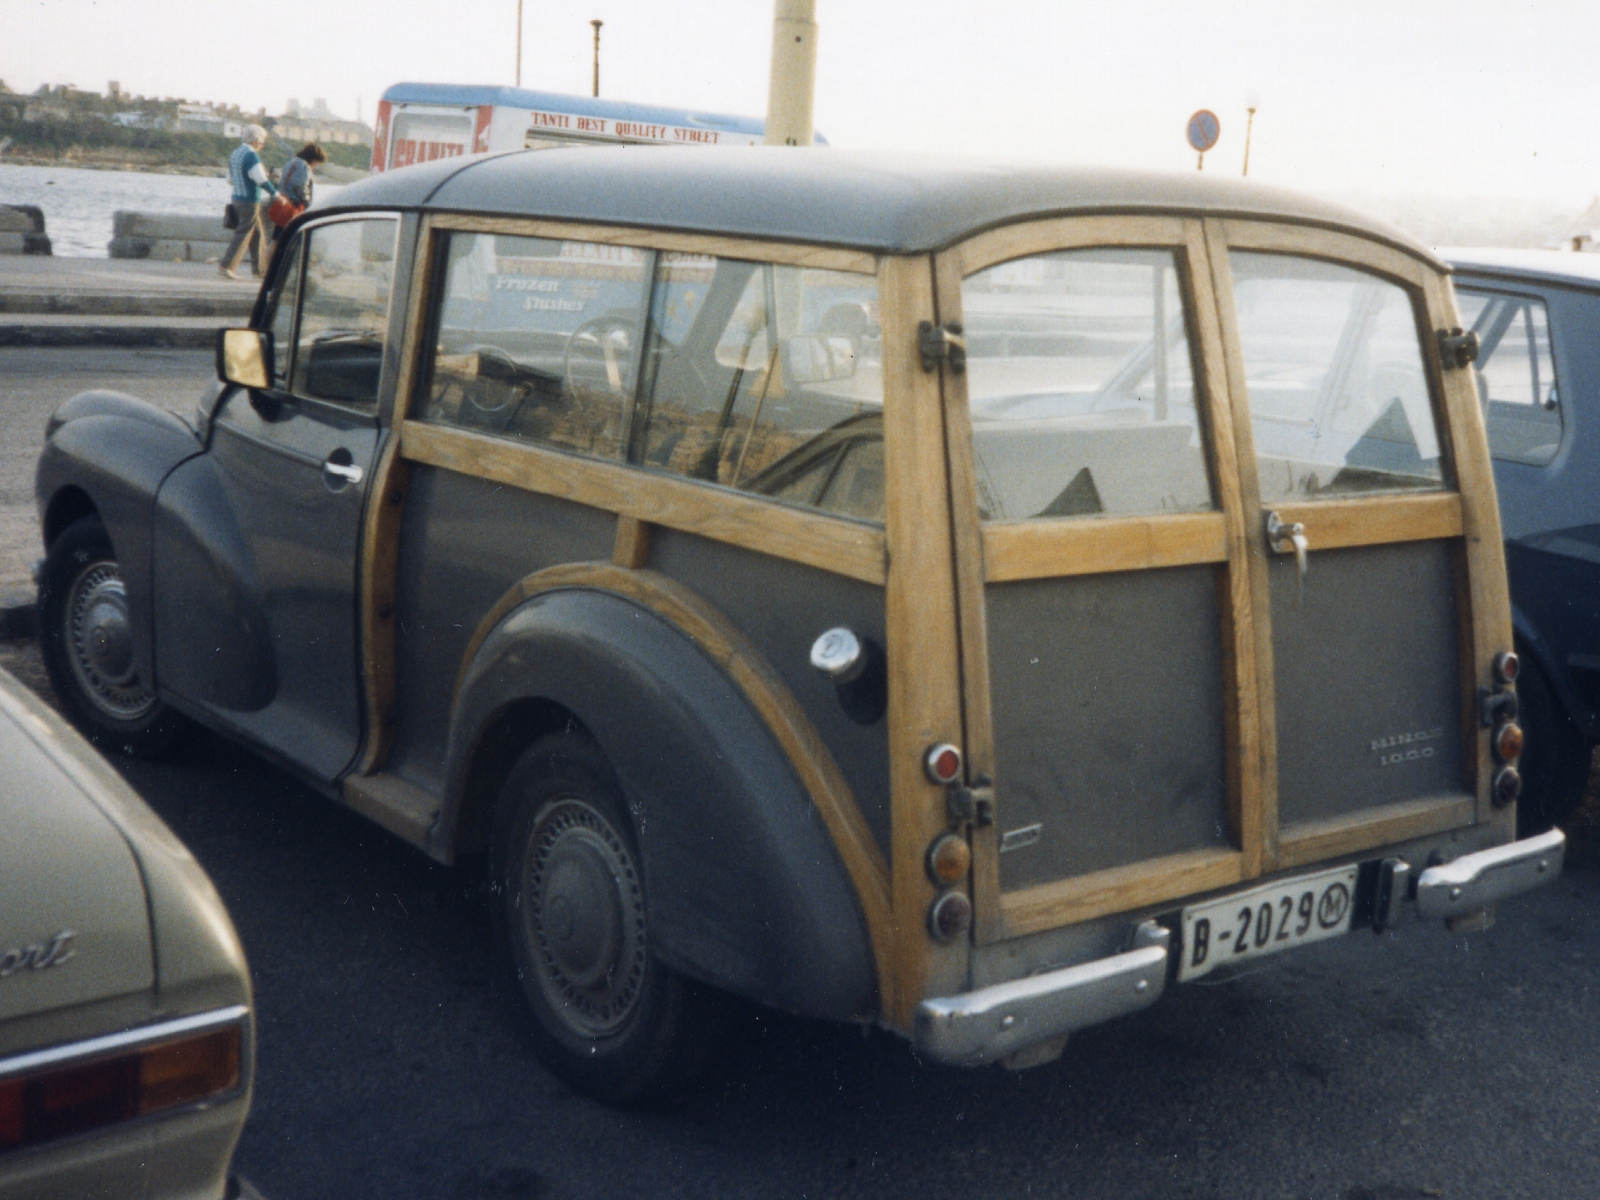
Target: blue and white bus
[418,122]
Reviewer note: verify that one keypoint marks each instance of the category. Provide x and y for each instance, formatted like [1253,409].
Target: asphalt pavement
[393,1060]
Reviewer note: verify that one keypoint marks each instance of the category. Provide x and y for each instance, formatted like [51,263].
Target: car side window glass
[1516,375]
[1338,393]
[281,306]
[767,379]
[1081,387]
[344,310]
[536,339]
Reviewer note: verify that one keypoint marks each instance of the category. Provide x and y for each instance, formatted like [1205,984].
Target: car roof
[1551,266]
[871,201]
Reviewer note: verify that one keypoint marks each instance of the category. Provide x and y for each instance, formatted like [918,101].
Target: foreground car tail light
[75,1089]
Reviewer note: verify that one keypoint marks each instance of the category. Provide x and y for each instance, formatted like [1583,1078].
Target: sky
[1388,97]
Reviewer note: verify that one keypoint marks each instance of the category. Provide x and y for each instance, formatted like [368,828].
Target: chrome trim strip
[1475,880]
[996,1022]
[128,1039]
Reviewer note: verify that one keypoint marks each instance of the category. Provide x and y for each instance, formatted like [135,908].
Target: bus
[419,122]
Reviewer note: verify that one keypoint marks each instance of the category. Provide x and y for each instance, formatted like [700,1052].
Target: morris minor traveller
[961,597]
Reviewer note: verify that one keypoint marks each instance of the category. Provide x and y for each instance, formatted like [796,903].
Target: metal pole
[519,43]
[1248,125]
[597,23]
[794,73]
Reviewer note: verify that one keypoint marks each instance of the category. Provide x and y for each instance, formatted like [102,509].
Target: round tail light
[950,916]
[942,762]
[1508,741]
[1507,666]
[948,859]
[1507,786]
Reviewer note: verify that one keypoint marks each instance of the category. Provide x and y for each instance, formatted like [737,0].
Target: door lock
[1283,537]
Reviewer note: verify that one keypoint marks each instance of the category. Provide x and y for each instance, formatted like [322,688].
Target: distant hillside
[89,142]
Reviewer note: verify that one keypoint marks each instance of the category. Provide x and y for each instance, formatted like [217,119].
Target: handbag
[230,218]
[282,210]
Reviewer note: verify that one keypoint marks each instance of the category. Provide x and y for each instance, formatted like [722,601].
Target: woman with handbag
[294,189]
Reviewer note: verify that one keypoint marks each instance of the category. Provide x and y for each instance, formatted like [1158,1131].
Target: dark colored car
[1537,317]
[958,597]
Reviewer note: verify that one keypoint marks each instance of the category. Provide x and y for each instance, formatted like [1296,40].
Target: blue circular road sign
[1203,130]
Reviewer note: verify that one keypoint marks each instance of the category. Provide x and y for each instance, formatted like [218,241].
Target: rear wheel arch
[501,741]
[69,504]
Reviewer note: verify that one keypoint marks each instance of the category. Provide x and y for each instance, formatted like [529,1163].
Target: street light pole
[597,23]
[794,73]
[519,43]
[1248,126]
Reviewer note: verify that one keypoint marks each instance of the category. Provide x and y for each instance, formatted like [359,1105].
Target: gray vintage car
[125,1013]
[961,597]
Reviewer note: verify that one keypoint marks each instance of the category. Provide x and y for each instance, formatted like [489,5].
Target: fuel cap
[837,654]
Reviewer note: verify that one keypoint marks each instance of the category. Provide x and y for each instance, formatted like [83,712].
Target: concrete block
[129,247]
[167,250]
[21,218]
[24,243]
[169,227]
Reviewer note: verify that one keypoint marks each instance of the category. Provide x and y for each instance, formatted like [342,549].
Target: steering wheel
[599,356]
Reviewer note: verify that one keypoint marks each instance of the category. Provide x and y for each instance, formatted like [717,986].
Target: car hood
[74,919]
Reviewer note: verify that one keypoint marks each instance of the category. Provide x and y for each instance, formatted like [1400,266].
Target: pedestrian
[294,183]
[249,177]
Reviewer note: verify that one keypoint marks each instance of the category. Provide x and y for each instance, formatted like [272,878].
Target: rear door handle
[1283,537]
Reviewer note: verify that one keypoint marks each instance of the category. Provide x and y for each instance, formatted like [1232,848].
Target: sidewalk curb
[173,337]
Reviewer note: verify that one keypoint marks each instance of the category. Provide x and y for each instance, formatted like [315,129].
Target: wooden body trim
[1064,233]
[1118,889]
[717,637]
[845,547]
[825,257]
[1096,545]
[1316,841]
[1338,524]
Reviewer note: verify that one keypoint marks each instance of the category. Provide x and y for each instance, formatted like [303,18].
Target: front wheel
[86,635]
[607,1016]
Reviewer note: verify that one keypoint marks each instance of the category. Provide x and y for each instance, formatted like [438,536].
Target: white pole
[794,73]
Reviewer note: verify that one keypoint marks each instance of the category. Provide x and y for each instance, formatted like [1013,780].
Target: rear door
[1163,703]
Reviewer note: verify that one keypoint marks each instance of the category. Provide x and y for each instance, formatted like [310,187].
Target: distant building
[317,124]
[1584,232]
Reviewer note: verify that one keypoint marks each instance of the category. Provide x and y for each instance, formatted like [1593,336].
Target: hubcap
[99,636]
[582,914]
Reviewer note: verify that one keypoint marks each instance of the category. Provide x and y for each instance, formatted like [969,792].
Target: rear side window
[755,376]
[1339,400]
[1516,374]
[1081,386]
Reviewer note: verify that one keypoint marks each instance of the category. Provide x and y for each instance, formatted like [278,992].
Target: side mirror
[243,357]
[818,359]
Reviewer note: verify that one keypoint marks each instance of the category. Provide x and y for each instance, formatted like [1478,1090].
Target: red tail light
[59,1097]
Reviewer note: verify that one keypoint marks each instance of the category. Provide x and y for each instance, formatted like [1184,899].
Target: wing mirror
[818,359]
[243,357]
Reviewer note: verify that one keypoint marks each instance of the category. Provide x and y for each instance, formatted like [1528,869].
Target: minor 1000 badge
[1266,919]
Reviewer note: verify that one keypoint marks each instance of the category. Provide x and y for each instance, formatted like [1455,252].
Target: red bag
[282,210]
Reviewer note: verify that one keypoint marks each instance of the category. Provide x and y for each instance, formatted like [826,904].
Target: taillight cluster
[949,857]
[56,1099]
[1506,742]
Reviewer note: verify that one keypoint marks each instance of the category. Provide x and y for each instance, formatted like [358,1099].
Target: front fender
[747,889]
[114,450]
[1534,643]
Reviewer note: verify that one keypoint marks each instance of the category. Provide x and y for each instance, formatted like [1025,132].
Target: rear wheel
[1555,765]
[87,635]
[607,1016]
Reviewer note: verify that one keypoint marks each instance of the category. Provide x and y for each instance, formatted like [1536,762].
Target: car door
[1162,703]
[258,540]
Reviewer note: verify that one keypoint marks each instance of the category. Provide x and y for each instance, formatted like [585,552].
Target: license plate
[1264,920]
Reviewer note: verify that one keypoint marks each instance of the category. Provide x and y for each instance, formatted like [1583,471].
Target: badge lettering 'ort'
[38,955]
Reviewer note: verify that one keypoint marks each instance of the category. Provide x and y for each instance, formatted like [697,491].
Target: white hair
[254,134]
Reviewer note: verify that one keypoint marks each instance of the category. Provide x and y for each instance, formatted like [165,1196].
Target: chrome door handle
[349,473]
[1284,537]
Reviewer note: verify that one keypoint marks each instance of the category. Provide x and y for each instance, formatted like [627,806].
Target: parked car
[1536,314]
[125,1011]
[962,598]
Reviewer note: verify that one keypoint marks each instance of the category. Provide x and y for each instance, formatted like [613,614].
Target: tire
[608,1017]
[1555,763]
[87,639]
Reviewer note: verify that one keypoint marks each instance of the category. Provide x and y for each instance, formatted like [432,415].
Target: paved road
[393,1064]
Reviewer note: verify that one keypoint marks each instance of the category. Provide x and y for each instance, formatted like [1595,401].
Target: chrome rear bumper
[1474,881]
[1007,1018]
